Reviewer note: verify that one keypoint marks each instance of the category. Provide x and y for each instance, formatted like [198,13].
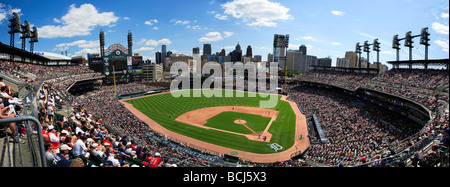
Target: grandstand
[405,110]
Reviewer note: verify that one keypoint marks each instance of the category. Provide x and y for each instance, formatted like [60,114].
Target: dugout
[230,158]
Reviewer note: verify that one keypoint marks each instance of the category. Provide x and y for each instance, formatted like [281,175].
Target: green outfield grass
[165,108]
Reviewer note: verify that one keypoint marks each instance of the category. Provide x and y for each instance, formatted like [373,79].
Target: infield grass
[225,121]
[165,108]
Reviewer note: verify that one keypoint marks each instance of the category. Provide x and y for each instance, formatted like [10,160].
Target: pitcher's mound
[240,122]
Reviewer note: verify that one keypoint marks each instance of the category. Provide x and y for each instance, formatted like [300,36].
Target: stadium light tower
[15,27]
[366,49]
[424,40]
[102,43]
[409,42]
[130,43]
[376,47]
[358,50]
[280,46]
[34,39]
[26,33]
[286,45]
[396,46]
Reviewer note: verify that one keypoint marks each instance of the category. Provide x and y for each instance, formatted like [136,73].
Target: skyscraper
[270,57]
[222,53]
[163,55]
[196,50]
[303,49]
[249,52]
[298,61]
[207,49]
[158,57]
[353,58]
[236,55]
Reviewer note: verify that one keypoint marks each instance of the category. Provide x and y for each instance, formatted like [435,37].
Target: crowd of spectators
[427,87]
[423,86]
[353,129]
[101,132]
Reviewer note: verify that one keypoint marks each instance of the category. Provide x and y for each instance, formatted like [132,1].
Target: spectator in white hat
[62,158]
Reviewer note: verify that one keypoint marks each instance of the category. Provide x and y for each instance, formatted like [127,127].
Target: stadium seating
[119,137]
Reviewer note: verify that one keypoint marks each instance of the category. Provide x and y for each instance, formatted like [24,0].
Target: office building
[324,62]
[152,72]
[353,57]
[258,58]
[236,55]
[158,57]
[163,55]
[249,52]
[196,50]
[303,49]
[383,68]
[270,57]
[297,61]
[207,49]
[343,63]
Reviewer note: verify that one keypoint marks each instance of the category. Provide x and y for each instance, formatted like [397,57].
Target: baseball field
[235,123]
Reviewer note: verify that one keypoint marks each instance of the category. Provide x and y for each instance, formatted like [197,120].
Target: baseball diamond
[226,124]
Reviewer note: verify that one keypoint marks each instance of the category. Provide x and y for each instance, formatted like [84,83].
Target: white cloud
[215,36]
[164,41]
[78,43]
[196,27]
[440,28]
[84,52]
[180,22]
[211,37]
[230,47]
[337,13]
[78,22]
[444,15]
[386,52]
[155,43]
[145,49]
[221,17]
[155,28]
[443,44]
[151,22]
[336,43]
[296,46]
[6,11]
[126,18]
[308,38]
[227,34]
[151,43]
[263,23]
[257,12]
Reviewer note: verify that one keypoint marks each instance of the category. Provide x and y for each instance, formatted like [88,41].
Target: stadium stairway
[15,154]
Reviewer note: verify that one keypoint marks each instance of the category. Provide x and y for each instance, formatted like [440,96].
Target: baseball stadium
[115,109]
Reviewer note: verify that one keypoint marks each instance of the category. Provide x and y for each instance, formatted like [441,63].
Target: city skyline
[328,28]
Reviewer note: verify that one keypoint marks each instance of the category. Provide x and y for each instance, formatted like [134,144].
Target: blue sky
[326,27]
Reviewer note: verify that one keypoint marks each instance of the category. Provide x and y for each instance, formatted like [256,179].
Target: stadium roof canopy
[22,53]
[425,63]
[53,56]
